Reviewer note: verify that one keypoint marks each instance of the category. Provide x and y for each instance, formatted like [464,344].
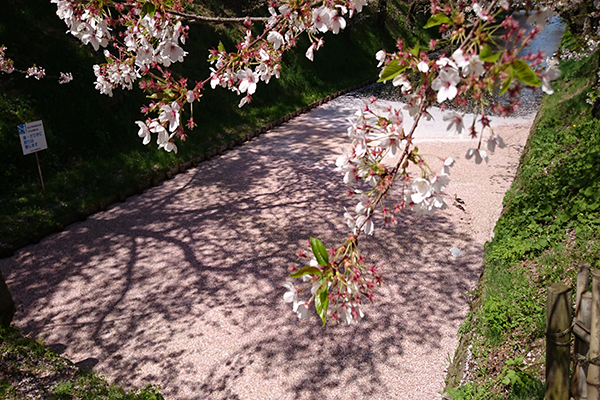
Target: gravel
[182,285]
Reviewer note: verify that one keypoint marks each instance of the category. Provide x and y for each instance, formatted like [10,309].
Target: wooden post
[40,171]
[583,305]
[593,378]
[583,285]
[581,329]
[558,321]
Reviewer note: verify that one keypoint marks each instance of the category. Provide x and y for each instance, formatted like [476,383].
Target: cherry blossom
[550,73]
[380,56]
[471,65]
[480,12]
[65,78]
[423,67]
[445,84]
[292,294]
[170,115]
[248,80]
[35,71]
[144,132]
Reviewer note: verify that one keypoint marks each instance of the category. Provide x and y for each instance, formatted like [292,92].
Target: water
[547,41]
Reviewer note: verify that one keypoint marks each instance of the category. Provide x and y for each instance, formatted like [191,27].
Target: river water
[547,41]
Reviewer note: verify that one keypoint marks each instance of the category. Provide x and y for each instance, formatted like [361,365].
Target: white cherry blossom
[65,78]
[292,294]
[480,12]
[276,39]
[170,115]
[448,163]
[144,132]
[380,56]
[445,84]
[337,22]
[248,80]
[403,82]
[550,73]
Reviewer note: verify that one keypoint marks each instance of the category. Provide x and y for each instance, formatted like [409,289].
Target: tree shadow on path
[182,285]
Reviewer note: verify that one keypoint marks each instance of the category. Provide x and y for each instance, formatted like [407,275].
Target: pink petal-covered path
[181,286]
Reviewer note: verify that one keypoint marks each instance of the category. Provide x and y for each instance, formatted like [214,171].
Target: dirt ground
[182,285]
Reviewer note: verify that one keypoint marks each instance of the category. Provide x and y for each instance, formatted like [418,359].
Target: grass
[28,369]
[550,223]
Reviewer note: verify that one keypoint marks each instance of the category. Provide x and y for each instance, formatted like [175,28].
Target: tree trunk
[7,305]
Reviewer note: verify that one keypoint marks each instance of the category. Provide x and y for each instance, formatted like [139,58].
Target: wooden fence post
[583,318]
[558,325]
[593,378]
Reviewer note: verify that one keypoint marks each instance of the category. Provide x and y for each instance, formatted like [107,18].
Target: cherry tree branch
[203,19]
[394,172]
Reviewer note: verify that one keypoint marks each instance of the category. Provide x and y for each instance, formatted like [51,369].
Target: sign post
[33,139]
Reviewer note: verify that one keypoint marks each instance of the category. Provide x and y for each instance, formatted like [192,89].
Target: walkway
[182,286]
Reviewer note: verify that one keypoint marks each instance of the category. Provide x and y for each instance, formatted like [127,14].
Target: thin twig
[201,18]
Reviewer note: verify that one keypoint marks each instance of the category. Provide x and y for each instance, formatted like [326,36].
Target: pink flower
[144,132]
[65,78]
[445,84]
[380,56]
[248,80]
[276,38]
[480,12]
[170,114]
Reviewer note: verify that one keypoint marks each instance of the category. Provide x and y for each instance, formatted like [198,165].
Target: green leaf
[148,9]
[221,46]
[391,70]
[322,303]
[589,191]
[525,74]
[319,251]
[157,96]
[436,20]
[305,271]
[415,50]
[506,83]
[487,55]
[563,216]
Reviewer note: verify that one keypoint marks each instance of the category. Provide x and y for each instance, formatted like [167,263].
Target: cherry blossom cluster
[6,64]
[471,73]
[259,58]
[35,71]
[144,38]
[380,155]
[141,39]
[338,281]
[85,23]
[7,67]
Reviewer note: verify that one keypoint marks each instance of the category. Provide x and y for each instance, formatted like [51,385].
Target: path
[182,285]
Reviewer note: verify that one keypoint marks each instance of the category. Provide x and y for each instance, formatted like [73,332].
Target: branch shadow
[181,286]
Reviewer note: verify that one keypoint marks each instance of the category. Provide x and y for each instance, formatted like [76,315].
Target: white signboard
[33,137]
